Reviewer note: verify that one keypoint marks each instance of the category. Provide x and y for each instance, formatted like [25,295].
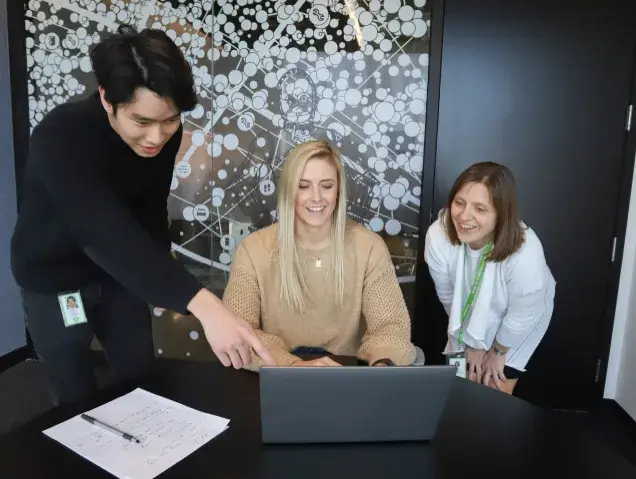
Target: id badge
[72,308]
[459,361]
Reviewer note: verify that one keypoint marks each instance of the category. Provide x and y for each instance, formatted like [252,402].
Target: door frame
[418,322]
[432,118]
[21,132]
[420,326]
[19,89]
[620,230]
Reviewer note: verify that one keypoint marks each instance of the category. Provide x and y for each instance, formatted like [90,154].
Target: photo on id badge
[460,365]
[72,308]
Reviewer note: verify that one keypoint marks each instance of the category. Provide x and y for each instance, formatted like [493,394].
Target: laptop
[353,404]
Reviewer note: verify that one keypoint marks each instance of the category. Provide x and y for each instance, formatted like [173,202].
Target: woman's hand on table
[493,369]
[325,361]
[475,360]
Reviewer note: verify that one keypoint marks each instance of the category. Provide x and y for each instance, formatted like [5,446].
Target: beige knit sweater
[373,323]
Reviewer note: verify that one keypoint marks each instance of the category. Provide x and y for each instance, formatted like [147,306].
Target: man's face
[146,124]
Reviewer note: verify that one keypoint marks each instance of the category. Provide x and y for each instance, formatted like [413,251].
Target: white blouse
[513,305]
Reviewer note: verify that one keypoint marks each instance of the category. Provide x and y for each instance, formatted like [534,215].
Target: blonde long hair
[293,284]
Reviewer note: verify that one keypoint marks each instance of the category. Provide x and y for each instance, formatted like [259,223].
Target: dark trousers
[121,322]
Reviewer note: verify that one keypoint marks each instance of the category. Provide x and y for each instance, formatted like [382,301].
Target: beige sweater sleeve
[242,295]
[388,333]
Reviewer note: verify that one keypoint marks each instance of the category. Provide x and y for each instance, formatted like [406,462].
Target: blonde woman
[316,281]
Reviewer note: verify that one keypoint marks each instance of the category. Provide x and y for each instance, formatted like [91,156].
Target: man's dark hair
[149,59]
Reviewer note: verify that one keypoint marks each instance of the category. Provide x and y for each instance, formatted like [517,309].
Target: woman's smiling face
[474,215]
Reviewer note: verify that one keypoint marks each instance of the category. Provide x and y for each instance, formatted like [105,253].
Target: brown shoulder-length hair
[500,183]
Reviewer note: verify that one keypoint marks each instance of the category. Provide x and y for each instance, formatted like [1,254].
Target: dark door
[542,86]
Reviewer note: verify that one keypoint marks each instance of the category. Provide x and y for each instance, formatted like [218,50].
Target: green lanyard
[473,291]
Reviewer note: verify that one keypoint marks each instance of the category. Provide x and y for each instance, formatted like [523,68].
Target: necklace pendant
[318,263]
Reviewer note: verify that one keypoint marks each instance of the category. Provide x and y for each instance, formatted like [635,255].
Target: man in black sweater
[91,248]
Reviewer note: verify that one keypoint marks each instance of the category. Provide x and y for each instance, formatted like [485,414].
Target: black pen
[115,431]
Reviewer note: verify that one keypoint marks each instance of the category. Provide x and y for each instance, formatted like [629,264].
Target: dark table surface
[482,434]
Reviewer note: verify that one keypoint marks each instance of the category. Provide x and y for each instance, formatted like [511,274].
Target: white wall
[626,387]
[621,369]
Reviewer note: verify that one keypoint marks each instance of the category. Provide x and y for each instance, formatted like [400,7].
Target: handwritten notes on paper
[168,432]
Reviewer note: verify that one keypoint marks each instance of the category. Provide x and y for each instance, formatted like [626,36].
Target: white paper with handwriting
[168,431]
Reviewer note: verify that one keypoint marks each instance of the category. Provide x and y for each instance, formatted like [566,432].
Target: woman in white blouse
[491,276]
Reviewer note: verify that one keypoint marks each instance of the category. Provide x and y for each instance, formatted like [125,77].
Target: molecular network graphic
[268,75]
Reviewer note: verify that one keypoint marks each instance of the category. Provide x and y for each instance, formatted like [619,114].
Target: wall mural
[269,74]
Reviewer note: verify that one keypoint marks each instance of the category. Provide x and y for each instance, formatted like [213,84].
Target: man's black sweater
[92,207]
